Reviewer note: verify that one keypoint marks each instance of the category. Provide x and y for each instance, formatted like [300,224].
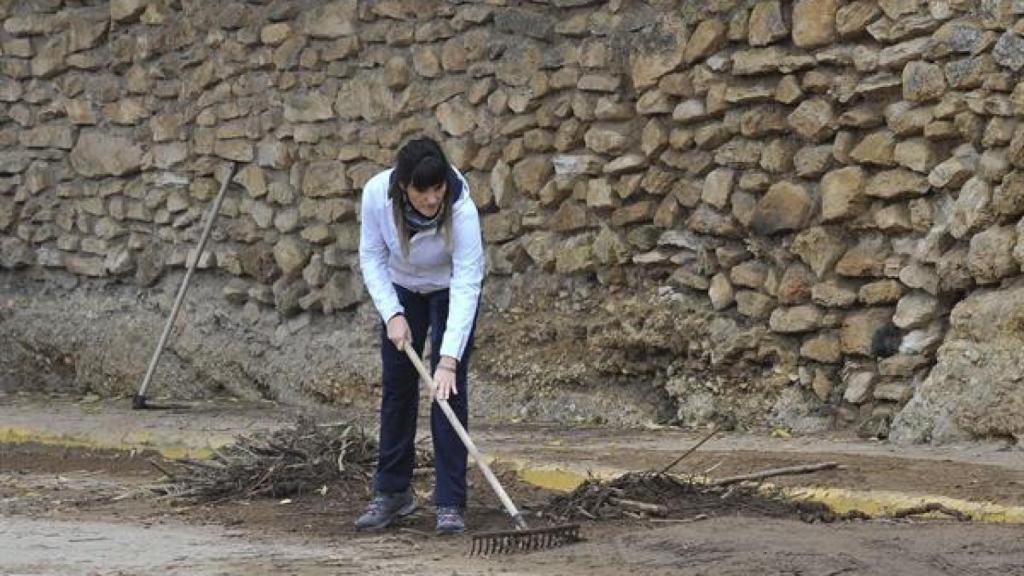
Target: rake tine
[524,540]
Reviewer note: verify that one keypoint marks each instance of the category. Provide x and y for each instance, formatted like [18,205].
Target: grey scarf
[416,222]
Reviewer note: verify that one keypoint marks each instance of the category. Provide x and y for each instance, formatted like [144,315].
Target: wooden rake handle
[466,440]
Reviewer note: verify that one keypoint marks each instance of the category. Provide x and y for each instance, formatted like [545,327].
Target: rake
[522,538]
[139,401]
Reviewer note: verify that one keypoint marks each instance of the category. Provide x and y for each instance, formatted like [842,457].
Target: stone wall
[805,188]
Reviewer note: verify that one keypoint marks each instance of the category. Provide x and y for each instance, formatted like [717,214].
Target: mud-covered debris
[647,494]
[297,459]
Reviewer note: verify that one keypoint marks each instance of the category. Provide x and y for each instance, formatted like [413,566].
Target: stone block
[786,206]
[990,256]
[812,120]
[766,24]
[796,319]
[923,81]
[869,333]
[842,194]
[814,22]
[823,347]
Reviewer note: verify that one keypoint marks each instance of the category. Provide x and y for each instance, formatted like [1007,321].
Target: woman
[422,259]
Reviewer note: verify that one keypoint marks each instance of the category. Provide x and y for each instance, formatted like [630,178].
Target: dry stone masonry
[840,177]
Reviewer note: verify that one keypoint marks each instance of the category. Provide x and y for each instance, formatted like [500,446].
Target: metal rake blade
[512,541]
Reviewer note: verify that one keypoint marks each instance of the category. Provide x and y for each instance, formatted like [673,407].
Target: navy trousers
[400,401]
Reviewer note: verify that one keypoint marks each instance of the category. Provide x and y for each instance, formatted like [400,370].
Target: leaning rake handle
[470,446]
[139,401]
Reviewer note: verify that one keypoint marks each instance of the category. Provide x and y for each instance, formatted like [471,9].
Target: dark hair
[421,163]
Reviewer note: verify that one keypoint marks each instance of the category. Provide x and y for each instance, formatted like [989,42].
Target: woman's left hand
[444,379]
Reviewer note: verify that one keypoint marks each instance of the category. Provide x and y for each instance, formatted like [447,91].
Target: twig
[714,430]
[600,502]
[713,468]
[655,509]
[931,507]
[789,470]
[162,470]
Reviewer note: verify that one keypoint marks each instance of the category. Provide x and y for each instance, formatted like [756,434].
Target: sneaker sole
[450,531]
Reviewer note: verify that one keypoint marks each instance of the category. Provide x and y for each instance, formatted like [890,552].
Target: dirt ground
[75,511]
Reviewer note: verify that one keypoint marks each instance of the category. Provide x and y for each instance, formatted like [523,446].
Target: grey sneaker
[450,520]
[385,508]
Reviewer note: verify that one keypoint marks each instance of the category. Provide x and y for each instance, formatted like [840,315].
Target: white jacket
[429,267]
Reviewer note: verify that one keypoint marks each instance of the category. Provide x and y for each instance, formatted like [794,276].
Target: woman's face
[426,201]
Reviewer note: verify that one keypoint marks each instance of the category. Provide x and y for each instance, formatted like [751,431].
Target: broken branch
[162,470]
[787,471]
[714,430]
[635,506]
[931,507]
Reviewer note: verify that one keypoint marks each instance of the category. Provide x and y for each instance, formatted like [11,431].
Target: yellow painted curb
[873,503]
[551,477]
[129,443]
[883,503]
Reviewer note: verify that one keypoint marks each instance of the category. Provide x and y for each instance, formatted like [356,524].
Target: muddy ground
[73,511]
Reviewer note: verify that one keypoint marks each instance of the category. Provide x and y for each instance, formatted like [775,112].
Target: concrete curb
[873,503]
[130,442]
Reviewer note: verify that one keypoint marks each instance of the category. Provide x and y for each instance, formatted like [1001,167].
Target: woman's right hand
[398,331]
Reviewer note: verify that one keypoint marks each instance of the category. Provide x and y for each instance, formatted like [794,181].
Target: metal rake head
[512,541]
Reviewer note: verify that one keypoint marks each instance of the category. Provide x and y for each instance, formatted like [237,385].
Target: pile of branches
[659,495]
[298,459]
